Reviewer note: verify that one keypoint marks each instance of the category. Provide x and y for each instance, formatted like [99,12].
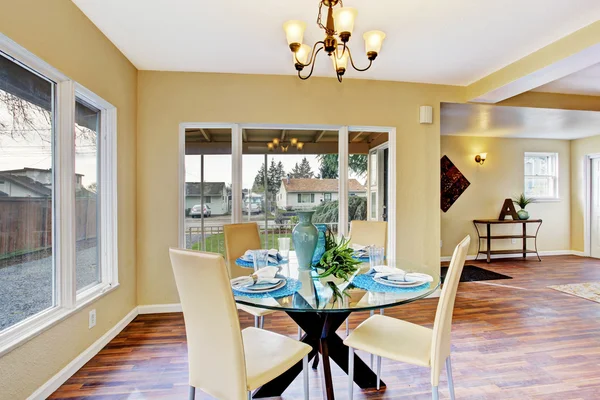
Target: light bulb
[340,62]
[294,141]
[373,41]
[300,145]
[302,54]
[344,21]
[294,31]
[276,142]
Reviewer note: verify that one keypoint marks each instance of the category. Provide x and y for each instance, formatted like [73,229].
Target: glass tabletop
[319,295]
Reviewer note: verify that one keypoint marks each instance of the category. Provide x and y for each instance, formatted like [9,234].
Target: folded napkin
[260,277]
[397,274]
[360,251]
[274,257]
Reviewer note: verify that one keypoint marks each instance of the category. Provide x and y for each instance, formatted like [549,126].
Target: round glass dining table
[320,307]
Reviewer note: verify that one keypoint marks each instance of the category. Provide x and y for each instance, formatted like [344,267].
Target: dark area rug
[472,273]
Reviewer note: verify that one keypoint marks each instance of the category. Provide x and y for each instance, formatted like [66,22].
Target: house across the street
[215,196]
[307,193]
[32,182]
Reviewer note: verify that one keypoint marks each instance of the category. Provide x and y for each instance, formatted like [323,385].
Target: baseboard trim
[159,308]
[517,254]
[68,371]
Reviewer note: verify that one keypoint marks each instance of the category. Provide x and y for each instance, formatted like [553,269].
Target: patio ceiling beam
[260,147]
[244,135]
[355,136]
[206,135]
[318,136]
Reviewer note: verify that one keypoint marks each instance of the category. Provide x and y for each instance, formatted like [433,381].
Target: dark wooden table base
[320,334]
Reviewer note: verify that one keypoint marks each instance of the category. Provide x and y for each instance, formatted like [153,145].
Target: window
[541,175]
[207,200]
[306,197]
[327,196]
[57,158]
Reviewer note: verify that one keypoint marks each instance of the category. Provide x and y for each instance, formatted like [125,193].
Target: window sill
[547,199]
[21,333]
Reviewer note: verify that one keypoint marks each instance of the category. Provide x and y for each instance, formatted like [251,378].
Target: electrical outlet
[92,319]
[514,241]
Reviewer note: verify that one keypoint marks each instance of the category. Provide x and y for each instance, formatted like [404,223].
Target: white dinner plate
[262,288]
[399,284]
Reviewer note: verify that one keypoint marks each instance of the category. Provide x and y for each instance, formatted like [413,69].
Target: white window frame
[555,177]
[67,301]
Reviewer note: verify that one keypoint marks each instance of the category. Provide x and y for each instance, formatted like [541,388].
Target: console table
[488,237]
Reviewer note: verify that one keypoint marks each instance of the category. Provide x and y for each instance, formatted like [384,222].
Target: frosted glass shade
[343,19]
[294,31]
[302,54]
[373,41]
[340,62]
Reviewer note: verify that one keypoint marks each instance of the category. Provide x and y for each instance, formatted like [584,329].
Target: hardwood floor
[512,339]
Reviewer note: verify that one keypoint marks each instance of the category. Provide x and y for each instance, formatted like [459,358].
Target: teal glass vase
[305,236]
[320,250]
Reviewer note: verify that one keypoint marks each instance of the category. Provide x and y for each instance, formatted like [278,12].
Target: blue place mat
[366,282]
[249,264]
[291,286]
[362,259]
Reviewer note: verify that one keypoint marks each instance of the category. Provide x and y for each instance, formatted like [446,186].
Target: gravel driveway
[26,288]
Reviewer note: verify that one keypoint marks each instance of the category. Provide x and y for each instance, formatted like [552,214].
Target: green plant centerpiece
[337,264]
[523,202]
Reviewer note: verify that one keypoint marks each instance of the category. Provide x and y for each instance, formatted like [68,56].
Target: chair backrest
[442,326]
[238,239]
[369,232]
[214,341]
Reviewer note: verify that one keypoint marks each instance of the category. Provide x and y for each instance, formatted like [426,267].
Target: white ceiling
[517,122]
[437,41]
[586,82]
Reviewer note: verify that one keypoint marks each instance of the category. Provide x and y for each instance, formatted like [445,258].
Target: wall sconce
[480,158]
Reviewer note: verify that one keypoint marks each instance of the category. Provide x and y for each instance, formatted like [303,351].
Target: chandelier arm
[354,66]
[312,55]
[312,67]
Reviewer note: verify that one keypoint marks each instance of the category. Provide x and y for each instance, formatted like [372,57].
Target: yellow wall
[501,177]
[579,150]
[60,34]
[169,98]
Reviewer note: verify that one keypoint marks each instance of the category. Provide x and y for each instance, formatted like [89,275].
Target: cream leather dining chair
[367,233]
[238,239]
[224,362]
[414,344]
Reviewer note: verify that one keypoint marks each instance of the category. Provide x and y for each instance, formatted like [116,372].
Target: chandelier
[276,143]
[338,30]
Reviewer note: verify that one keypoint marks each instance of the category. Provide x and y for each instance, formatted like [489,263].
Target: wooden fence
[26,223]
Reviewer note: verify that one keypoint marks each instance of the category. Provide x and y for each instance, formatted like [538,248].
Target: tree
[328,212]
[303,170]
[328,165]
[275,174]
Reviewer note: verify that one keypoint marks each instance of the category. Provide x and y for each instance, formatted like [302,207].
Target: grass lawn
[216,243]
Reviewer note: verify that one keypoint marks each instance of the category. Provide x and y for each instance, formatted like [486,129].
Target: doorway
[595,207]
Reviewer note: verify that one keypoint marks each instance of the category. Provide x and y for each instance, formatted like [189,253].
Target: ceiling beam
[318,136]
[570,54]
[355,136]
[206,135]
[244,135]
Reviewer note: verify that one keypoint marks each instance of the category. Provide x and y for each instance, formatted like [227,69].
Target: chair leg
[434,393]
[256,322]
[372,313]
[378,372]
[347,326]
[262,322]
[350,372]
[305,373]
[299,333]
[192,394]
[450,379]
[249,395]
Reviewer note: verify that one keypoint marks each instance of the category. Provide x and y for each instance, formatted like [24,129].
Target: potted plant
[337,265]
[522,202]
